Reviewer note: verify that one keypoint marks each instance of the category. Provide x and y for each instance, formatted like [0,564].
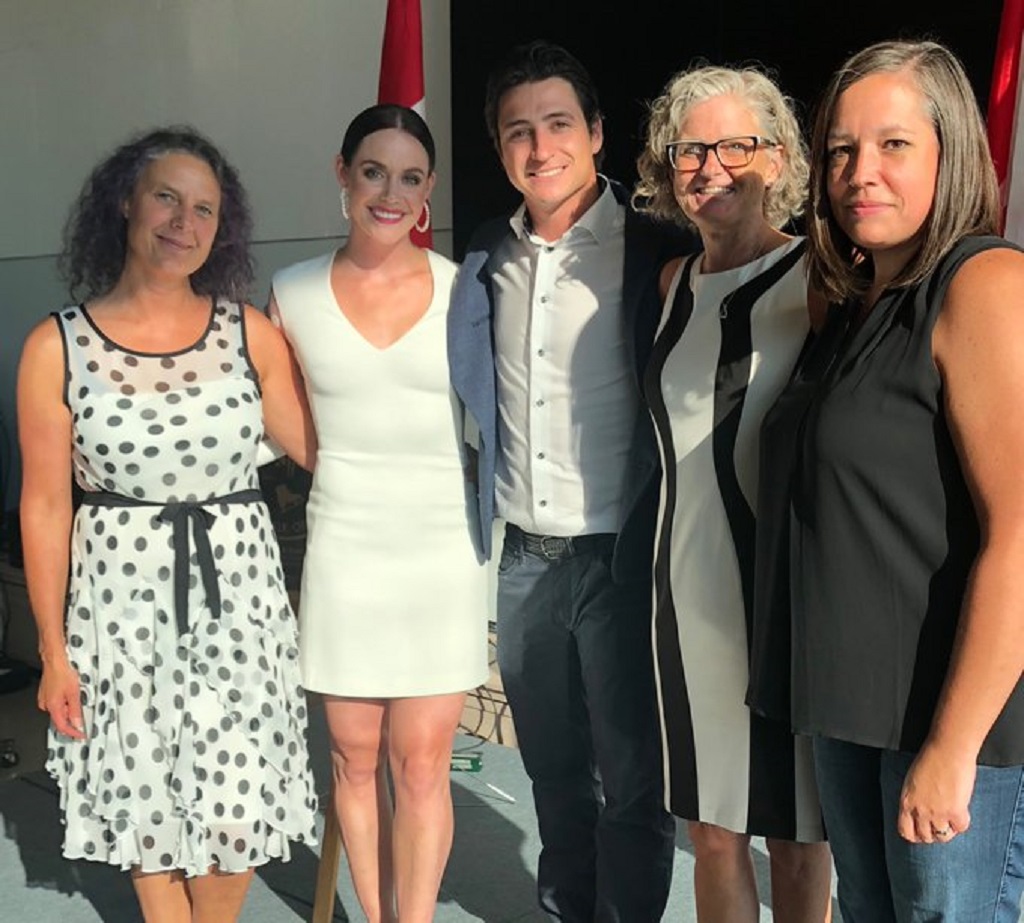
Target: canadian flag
[1006,120]
[401,71]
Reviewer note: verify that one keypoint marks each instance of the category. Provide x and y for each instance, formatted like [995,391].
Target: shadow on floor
[486,875]
[31,820]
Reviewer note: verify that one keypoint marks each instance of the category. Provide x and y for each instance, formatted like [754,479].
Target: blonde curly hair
[774,112]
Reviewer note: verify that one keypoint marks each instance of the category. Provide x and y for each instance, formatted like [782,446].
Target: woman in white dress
[393,613]
[724,155]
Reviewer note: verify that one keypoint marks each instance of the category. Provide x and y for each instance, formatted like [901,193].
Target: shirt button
[549,249]
[543,503]
[540,352]
[543,299]
[540,402]
[540,455]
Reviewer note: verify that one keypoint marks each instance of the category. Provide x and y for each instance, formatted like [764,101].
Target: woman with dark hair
[393,609]
[900,439]
[167,643]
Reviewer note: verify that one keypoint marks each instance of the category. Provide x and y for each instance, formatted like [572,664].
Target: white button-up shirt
[567,398]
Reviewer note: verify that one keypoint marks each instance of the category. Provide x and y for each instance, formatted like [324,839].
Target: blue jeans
[977,877]
[574,649]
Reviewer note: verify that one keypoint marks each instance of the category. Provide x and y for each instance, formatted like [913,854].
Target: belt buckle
[559,547]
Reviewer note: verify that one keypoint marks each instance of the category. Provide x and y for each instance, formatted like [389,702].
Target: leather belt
[559,547]
[179,514]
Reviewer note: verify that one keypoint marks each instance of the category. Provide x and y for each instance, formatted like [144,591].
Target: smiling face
[388,183]
[717,198]
[547,148]
[883,164]
[172,215]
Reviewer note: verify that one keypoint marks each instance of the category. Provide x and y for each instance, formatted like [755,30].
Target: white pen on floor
[499,792]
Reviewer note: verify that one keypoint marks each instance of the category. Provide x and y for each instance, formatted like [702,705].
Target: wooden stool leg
[327,869]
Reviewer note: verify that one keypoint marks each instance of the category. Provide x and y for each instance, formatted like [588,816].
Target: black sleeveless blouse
[867,533]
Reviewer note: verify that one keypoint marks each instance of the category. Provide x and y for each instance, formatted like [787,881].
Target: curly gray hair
[774,111]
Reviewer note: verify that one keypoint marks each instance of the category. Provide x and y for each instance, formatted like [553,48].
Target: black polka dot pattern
[195,753]
[134,411]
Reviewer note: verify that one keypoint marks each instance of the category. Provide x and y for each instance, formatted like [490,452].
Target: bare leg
[163,896]
[356,729]
[218,896]
[421,731]
[801,882]
[723,875]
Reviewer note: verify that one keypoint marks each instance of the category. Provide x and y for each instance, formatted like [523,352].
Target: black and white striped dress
[725,347]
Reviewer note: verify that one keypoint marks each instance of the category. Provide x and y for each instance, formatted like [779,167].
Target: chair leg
[327,869]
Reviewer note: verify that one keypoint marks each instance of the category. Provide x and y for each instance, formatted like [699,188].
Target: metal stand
[327,869]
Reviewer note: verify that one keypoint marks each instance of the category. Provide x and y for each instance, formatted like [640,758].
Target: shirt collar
[598,221]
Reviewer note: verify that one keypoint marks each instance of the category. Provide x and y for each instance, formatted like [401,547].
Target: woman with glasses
[724,154]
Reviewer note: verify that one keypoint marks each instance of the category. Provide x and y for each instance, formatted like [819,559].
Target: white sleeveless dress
[394,595]
[195,751]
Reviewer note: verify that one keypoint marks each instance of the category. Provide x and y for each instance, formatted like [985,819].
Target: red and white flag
[401,70]
[1006,119]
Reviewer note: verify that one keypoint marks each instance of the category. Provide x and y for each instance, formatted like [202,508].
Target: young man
[551,323]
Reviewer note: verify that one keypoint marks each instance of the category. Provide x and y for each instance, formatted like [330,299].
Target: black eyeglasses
[688,156]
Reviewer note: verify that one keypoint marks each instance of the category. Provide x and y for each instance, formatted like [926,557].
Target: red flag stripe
[401,69]
[1003,102]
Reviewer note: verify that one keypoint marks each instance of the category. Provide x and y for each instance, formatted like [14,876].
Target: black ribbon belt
[559,547]
[178,514]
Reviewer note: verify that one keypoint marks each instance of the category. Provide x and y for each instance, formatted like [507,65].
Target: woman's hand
[59,695]
[934,803]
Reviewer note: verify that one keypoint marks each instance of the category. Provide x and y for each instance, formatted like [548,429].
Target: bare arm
[44,433]
[978,344]
[286,413]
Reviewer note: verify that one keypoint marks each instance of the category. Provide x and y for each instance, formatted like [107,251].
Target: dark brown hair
[966,192]
[96,234]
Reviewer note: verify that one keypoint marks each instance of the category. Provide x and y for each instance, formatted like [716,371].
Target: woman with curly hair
[724,155]
[168,647]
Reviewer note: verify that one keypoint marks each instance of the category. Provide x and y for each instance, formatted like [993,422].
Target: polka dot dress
[195,753]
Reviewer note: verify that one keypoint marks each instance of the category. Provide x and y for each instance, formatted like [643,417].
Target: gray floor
[490,876]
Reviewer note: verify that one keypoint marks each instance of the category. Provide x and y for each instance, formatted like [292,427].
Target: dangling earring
[343,195]
[425,219]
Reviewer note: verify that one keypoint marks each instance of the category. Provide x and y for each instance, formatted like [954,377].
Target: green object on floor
[467,762]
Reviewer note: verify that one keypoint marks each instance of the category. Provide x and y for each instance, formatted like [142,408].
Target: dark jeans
[574,649]
[977,877]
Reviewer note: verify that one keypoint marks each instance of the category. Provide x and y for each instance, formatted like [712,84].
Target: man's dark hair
[531,63]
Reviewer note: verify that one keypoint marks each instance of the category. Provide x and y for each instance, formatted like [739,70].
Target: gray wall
[272,83]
